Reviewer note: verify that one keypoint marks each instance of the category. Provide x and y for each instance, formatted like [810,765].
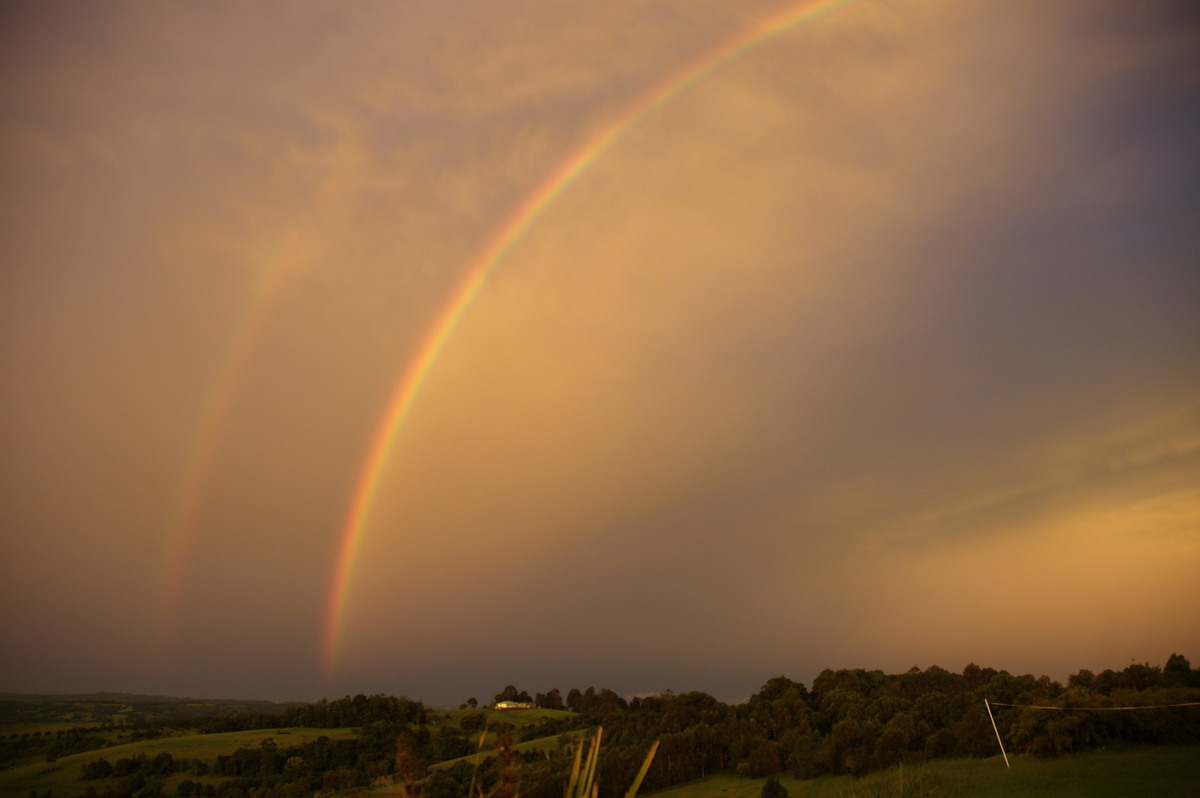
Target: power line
[996,728]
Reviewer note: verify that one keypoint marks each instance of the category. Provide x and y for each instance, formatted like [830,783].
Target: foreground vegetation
[1160,771]
[853,733]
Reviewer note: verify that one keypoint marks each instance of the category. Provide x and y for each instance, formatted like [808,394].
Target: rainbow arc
[518,223]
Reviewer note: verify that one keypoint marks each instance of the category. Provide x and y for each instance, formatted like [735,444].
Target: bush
[100,769]
[773,789]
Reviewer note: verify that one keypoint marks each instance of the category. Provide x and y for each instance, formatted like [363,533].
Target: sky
[425,348]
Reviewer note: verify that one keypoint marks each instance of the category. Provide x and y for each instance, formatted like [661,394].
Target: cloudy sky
[802,335]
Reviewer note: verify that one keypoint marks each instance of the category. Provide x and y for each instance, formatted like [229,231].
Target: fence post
[997,730]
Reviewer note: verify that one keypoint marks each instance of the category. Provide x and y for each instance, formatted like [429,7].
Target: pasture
[1161,771]
[64,775]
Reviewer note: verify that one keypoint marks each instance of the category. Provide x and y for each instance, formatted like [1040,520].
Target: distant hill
[133,698]
[103,707]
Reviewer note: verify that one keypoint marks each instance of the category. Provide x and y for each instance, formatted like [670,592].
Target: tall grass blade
[573,783]
[589,773]
[478,749]
[637,783]
[583,782]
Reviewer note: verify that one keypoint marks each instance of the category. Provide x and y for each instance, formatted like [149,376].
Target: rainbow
[296,246]
[514,228]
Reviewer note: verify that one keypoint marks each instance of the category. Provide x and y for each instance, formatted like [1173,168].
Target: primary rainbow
[413,377]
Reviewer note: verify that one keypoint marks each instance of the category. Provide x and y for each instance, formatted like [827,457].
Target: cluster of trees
[849,721]
[162,765]
[323,764]
[590,700]
[360,710]
[309,767]
[119,710]
[1178,672]
[139,774]
[266,769]
[853,721]
[62,742]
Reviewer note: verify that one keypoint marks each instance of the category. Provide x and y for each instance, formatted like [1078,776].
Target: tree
[472,721]
[164,764]
[843,750]
[509,693]
[895,739]
[451,782]
[1140,677]
[773,789]
[472,702]
[1085,680]
[779,687]
[100,769]
[803,758]
[1177,672]
[764,760]
[406,770]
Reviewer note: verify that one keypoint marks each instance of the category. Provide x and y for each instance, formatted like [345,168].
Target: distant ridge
[135,698]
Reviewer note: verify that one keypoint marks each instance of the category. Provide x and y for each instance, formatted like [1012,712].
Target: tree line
[849,721]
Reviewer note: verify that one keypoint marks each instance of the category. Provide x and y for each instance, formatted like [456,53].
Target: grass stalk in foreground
[642,773]
[583,784]
[475,770]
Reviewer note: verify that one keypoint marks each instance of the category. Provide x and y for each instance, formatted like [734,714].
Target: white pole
[997,730]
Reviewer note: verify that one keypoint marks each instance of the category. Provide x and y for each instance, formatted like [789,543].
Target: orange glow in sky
[426,348]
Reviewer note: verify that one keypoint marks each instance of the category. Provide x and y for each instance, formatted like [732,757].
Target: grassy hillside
[489,749]
[1162,772]
[498,719]
[150,745]
[64,775]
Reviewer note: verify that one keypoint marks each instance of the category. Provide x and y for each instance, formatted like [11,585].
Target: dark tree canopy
[851,721]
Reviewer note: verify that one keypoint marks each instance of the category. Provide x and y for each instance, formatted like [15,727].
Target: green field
[1161,772]
[517,718]
[1166,772]
[64,775]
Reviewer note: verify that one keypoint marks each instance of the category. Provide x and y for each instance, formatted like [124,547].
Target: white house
[515,705]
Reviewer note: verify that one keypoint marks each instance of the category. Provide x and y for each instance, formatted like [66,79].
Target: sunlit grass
[1160,771]
[65,773]
[489,749]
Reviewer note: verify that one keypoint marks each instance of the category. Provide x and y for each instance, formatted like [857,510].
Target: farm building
[515,705]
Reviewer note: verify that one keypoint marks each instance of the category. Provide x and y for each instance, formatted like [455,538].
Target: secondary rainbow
[517,224]
[297,244]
